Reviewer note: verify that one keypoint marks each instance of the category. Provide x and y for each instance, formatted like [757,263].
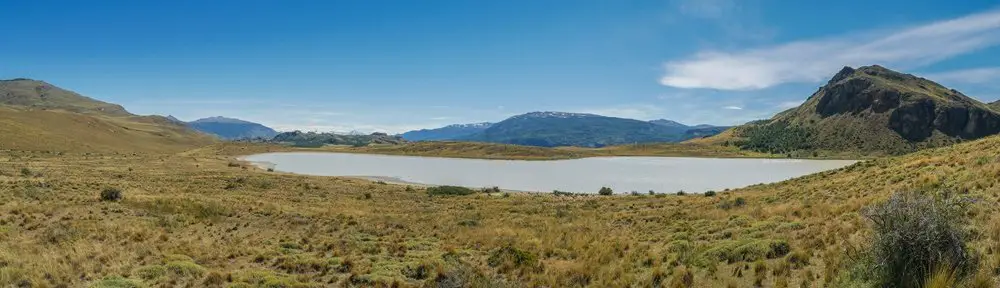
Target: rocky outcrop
[876,109]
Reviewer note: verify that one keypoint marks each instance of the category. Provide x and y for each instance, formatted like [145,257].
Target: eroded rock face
[912,116]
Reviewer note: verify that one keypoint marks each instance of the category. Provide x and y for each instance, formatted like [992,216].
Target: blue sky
[380,65]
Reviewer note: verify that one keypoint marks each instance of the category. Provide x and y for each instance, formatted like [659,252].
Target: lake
[587,175]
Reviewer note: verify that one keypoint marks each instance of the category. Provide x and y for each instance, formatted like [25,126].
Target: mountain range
[450,132]
[871,110]
[550,129]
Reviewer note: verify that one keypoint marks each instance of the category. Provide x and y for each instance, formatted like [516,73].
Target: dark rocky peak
[847,71]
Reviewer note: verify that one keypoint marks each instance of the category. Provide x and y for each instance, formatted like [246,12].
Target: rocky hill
[872,110]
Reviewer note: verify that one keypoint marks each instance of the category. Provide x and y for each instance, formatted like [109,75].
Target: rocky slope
[873,110]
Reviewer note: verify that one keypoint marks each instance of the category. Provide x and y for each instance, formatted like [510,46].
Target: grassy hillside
[870,111]
[38,116]
[199,219]
[61,131]
[39,95]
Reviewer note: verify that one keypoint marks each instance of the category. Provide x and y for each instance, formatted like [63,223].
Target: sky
[393,66]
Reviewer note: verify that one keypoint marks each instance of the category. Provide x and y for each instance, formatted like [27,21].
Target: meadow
[202,219]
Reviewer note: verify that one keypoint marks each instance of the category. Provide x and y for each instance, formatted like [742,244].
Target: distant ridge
[450,132]
[550,129]
[231,128]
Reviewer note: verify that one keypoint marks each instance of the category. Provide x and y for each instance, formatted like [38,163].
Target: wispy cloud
[813,60]
[971,76]
[789,104]
[638,111]
[732,108]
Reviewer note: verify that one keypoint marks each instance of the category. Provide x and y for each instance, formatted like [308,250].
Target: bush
[605,191]
[25,172]
[916,236]
[709,193]
[509,258]
[740,202]
[111,194]
[681,193]
[450,190]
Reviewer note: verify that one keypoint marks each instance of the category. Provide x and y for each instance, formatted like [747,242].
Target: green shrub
[151,272]
[605,191]
[116,282]
[25,172]
[509,257]
[681,193]
[111,194]
[736,251]
[185,269]
[709,193]
[449,190]
[914,236]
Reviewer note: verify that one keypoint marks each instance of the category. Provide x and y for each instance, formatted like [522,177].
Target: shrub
[709,193]
[509,257]
[111,194]
[605,191]
[368,195]
[561,193]
[25,172]
[916,237]
[740,202]
[651,192]
[233,164]
[449,190]
[681,193]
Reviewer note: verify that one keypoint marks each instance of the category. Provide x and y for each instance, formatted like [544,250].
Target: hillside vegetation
[196,219]
[870,111]
[38,116]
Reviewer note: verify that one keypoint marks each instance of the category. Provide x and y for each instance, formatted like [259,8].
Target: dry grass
[191,220]
[58,131]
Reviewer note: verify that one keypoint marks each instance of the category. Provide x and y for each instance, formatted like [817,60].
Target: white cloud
[789,104]
[640,112]
[971,76]
[816,59]
[732,108]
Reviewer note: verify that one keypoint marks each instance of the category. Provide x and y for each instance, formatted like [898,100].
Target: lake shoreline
[624,174]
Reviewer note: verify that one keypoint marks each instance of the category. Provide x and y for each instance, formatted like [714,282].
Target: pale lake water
[623,174]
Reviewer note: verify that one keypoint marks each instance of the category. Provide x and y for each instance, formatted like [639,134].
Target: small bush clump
[709,193]
[916,237]
[111,194]
[508,258]
[450,190]
[605,191]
